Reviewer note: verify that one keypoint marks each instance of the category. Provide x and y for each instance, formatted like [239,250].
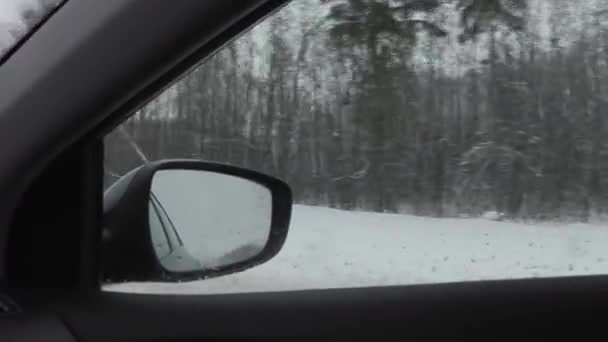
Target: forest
[443,108]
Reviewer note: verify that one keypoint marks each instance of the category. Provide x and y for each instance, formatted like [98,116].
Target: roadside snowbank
[329,248]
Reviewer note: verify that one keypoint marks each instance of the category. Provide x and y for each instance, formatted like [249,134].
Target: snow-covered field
[329,248]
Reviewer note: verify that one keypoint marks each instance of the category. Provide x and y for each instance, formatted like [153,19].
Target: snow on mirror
[203,220]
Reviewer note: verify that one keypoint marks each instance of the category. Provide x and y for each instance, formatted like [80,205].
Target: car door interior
[90,66]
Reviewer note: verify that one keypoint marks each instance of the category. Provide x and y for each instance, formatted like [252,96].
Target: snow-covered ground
[329,248]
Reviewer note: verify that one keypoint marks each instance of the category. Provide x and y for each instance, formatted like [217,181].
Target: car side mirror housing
[177,220]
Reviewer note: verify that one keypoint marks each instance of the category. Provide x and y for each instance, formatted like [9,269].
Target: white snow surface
[329,248]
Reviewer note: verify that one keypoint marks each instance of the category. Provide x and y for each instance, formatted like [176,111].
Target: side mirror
[176,220]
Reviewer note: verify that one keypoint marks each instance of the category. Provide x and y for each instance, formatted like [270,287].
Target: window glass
[425,141]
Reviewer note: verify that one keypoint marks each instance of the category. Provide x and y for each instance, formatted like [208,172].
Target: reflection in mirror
[201,220]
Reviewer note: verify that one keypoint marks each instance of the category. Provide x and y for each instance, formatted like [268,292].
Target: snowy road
[329,248]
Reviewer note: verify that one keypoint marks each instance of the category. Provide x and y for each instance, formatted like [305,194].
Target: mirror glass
[205,220]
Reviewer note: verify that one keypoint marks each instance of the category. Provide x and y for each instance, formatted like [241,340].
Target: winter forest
[437,108]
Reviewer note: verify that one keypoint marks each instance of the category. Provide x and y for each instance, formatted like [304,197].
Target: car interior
[86,69]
